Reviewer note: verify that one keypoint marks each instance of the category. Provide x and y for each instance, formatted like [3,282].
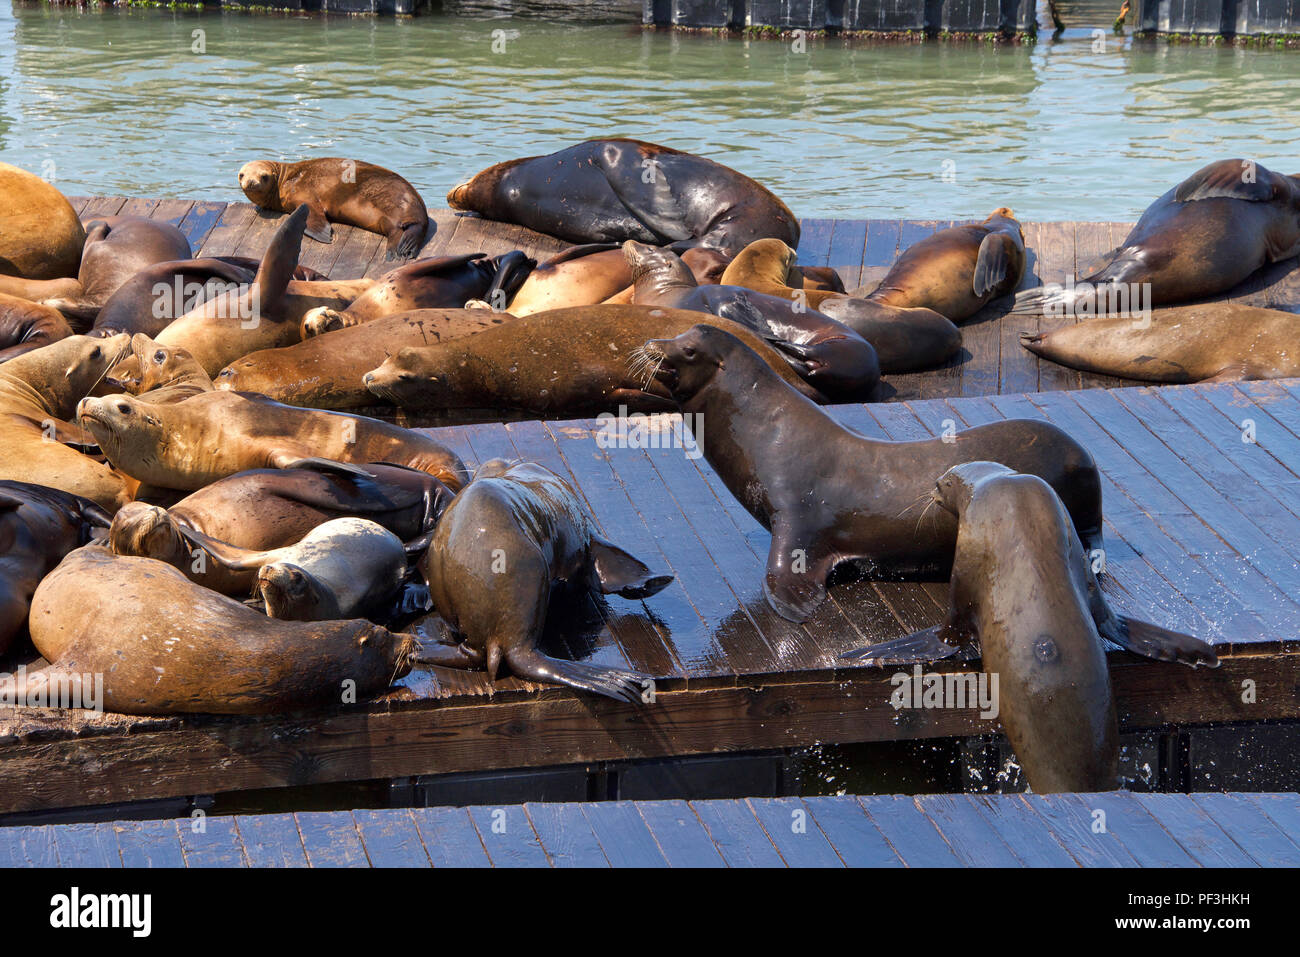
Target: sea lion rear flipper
[578,252]
[1226,180]
[531,665]
[280,261]
[512,270]
[223,553]
[924,645]
[290,460]
[80,312]
[1152,641]
[437,264]
[611,571]
[991,264]
[318,225]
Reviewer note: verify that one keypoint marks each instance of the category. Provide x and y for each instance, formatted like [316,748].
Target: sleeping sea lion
[40,234]
[158,295]
[158,373]
[27,325]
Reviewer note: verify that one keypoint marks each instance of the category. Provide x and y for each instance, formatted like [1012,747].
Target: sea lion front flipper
[442,655]
[404,242]
[279,262]
[282,459]
[991,264]
[1152,641]
[223,553]
[795,582]
[1227,180]
[531,665]
[612,571]
[318,225]
[924,645]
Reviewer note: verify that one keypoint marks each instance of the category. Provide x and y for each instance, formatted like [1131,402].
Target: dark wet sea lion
[38,527]
[158,295]
[336,190]
[1214,341]
[1204,236]
[612,190]
[265,509]
[833,358]
[828,494]
[40,234]
[526,516]
[956,271]
[565,362]
[165,645]
[188,444]
[39,393]
[325,372]
[159,373]
[1024,591]
[27,325]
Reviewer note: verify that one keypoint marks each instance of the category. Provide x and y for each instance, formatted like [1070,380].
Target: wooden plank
[815,242]
[1283,810]
[794,833]
[1134,827]
[390,838]
[1018,371]
[226,237]
[1073,824]
[1056,262]
[623,835]
[149,844]
[508,836]
[1023,830]
[102,206]
[854,835]
[84,845]
[913,836]
[1194,830]
[967,832]
[682,838]
[566,835]
[271,840]
[28,847]
[736,833]
[450,837]
[848,244]
[218,844]
[200,221]
[1251,828]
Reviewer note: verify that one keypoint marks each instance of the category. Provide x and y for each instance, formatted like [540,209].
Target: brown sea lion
[158,295]
[444,282]
[164,645]
[565,362]
[27,325]
[527,517]
[338,190]
[833,358]
[40,234]
[159,373]
[1024,592]
[1204,236]
[39,393]
[266,509]
[325,372]
[956,271]
[829,494]
[1215,341]
[612,190]
[188,444]
[38,527]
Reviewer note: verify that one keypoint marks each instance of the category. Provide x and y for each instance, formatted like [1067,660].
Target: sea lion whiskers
[645,362]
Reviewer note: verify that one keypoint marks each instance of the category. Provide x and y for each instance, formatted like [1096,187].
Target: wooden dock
[1202,534]
[945,830]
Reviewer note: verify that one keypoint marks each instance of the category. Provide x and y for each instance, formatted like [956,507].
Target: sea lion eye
[95,352]
[689,352]
[160,357]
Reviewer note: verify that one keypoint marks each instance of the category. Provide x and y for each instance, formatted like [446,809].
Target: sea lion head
[493,468]
[86,360]
[706,264]
[147,531]
[322,319]
[477,194]
[260,181]
[120,422]
[954,489]
[291,593]
[769,261]
[403,378]
[1004,216]
[684,365]
[654,268]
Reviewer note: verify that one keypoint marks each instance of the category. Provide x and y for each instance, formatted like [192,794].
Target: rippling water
[120,103]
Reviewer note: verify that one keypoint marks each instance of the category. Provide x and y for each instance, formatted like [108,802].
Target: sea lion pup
[157,373]
[27,325]
[829,494]
[164,645]
[158,295]
[38,527]
[826,354]
[40,234]
[1024,591]
[191,443]
[957,271]
[444,282]
[527,514]
[617,189]
[1204,236]
[39,393]
[336,190]
[325,372]
[1215,341]
[565,362]
[265,509]
[263,315]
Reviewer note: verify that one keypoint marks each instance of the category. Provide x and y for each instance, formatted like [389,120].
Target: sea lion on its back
[1023,589]
[341,191]
[527,516]
[612,190]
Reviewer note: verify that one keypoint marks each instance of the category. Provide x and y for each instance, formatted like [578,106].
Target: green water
[120,104]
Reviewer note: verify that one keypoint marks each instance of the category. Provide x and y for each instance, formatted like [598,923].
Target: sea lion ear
[1227,180]
[613,571]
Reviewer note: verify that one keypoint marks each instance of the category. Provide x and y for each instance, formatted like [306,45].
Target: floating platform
[1202,535]
[944,830]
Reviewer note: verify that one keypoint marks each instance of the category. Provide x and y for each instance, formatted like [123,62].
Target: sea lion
[829,494]
[1204,236]
[27,325]
[158,295]
[188,444]
[325,372]
[159,373]
[164,645]
[565,362]
[833,358]
[444,282]
[1216,341]
[266,509]
[528,517]
[1024,591]
[957,271]
[38,527]
[769,265]
[40,234]
[338,190]
[612,190]
[39,393]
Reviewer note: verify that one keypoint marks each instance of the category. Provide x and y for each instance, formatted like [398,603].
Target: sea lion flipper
[919,646]
[1152,641]
[280,261]
[530,664]
[614,571]
[318,225]
[442,655]
[1226,180]
[231,556]
[405,242]
[291,460]
[991,264]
